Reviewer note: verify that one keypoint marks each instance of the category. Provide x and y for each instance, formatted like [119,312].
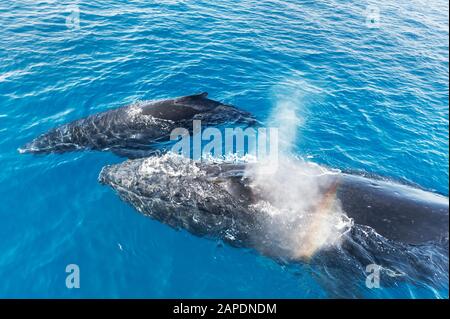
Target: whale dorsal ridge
[180,108]
[192,97]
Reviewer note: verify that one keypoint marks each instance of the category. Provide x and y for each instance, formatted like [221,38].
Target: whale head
[179,192]
[50,142]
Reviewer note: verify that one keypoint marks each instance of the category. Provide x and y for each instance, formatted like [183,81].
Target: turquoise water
[371,93]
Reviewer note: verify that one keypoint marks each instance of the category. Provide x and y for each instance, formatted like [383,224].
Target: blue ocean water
[371,87]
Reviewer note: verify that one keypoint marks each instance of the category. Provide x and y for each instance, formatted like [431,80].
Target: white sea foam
[169,164]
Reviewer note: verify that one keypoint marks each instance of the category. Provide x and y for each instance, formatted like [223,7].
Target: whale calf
[130,131]
[289,216]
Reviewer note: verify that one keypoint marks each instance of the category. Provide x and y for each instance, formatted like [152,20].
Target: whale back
[181,108]
[396,211]
[134,131]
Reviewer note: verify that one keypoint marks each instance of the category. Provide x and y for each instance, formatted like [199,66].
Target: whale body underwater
[131,131]
[220,201]
[234,203]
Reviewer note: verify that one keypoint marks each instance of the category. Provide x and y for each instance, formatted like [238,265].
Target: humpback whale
[288,215]
[130,131]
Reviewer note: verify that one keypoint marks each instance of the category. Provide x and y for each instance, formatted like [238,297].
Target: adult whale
[288,214]
[130,131]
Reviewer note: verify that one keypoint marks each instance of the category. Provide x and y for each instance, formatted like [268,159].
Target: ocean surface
[367,79]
